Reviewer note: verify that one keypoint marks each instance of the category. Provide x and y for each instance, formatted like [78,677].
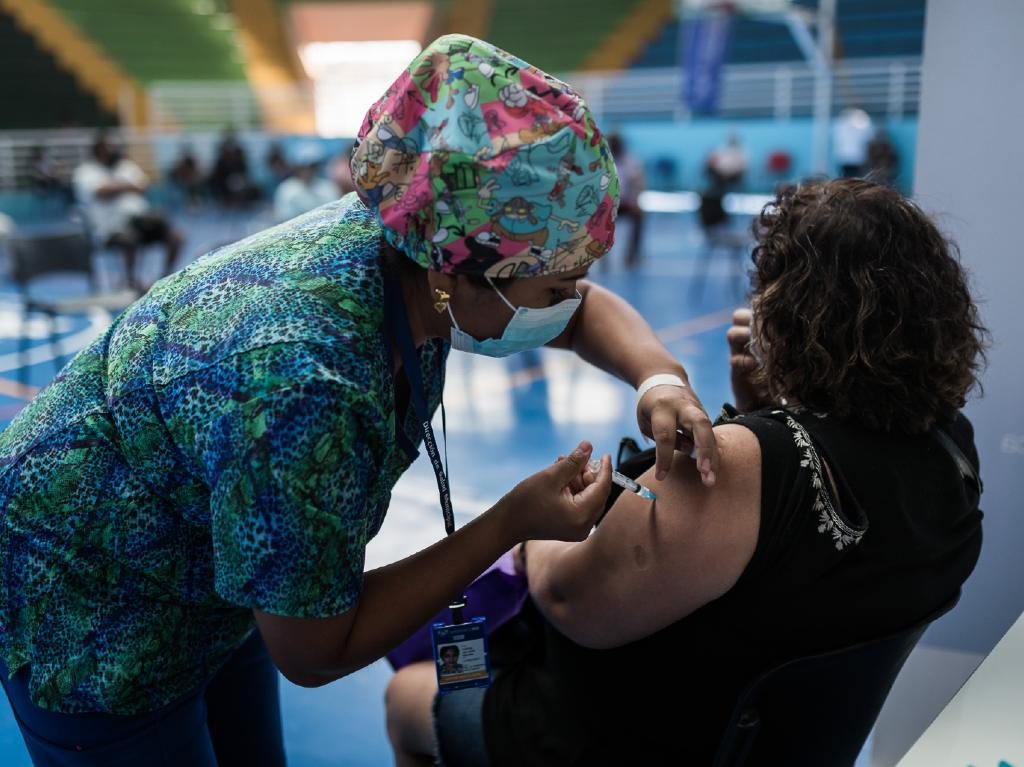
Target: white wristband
[661,379]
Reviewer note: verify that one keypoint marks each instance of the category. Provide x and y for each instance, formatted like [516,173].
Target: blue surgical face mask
[528,328]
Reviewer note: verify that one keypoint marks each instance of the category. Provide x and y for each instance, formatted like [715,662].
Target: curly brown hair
[862,308]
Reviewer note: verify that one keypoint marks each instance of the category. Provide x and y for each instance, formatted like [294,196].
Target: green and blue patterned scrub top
[228,444]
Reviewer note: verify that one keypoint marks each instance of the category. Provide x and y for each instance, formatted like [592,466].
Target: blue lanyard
[397,323]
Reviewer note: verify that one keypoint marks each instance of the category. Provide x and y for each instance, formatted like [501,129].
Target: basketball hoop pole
[817,51]
[823,85]
[819,55]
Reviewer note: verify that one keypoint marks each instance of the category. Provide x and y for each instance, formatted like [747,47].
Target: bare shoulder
[739,468]
[702,525]
[663,560]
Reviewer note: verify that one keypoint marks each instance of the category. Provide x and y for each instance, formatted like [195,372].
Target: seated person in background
[836,518]
[229,181]
[340,171]
[305,189]
[186,175]
[111,188]
[48,176]
[277,165]
[631,184]
[727,164]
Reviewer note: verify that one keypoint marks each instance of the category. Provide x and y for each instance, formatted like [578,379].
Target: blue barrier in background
[688,144]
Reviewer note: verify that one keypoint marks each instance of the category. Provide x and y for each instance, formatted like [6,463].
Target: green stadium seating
[161,39]
[555,35]
[46,96]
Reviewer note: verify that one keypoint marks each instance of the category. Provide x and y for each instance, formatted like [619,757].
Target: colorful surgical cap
[476,162]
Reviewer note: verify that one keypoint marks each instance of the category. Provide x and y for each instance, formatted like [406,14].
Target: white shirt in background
[729,161]
[110,215]
[295,197]
[851,135]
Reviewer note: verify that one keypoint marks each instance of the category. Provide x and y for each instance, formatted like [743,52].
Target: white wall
[970,167]
[970,171]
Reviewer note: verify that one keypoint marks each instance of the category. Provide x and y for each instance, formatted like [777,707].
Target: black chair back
[817,710]
[33,256]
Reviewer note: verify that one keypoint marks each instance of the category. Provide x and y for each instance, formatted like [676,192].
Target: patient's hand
[742,364]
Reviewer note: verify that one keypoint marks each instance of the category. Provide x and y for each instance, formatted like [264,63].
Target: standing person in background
[631,184]
[727,164]
[850,136]
[111,189]
[306,188]
[883,159]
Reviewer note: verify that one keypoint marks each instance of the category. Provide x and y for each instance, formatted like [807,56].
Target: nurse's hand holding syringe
[624,482]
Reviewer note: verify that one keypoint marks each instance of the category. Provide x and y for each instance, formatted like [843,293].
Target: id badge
[461,655]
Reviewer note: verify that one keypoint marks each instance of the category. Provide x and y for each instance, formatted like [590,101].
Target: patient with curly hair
[844,511]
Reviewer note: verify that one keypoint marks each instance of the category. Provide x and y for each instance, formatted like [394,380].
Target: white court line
[99,320]
[18,390]
[652,201]
[695,326]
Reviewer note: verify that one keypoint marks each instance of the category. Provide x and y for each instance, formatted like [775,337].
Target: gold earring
[442,300]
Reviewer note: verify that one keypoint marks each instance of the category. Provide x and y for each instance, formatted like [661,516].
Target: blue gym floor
[506,419]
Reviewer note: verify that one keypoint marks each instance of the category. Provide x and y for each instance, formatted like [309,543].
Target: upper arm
[647,566]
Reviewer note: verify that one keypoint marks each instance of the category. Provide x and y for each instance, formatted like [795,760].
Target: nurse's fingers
[580,482]
[594,496]
[693,418]
[663,429]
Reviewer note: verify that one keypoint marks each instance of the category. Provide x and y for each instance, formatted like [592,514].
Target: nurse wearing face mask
[216,462]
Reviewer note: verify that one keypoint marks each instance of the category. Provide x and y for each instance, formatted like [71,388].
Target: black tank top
[827,572]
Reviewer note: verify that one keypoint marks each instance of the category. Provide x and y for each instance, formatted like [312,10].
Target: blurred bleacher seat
[45,95]
[161,39]
[865,29]
[556,36]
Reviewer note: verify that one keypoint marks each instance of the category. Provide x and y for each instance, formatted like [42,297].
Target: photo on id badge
[460,653]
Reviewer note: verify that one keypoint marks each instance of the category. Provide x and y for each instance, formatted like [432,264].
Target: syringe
[623,481]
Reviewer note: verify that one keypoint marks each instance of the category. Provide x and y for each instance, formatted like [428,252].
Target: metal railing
[66,149]
[889,87]
[883,87]
[215,105]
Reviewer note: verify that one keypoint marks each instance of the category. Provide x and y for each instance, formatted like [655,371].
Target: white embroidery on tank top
[830,522]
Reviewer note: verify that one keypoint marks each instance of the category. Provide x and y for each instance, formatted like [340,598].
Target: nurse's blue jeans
[231,721]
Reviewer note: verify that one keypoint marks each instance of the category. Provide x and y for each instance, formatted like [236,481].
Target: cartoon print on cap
[475,162]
